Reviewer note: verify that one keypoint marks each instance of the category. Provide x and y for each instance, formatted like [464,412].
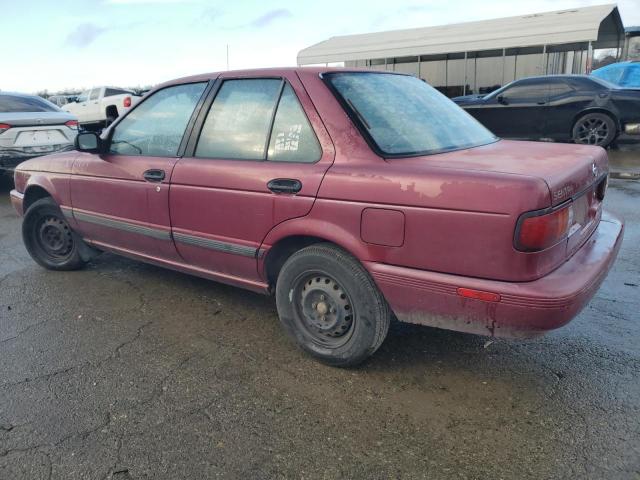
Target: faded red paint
[458,212]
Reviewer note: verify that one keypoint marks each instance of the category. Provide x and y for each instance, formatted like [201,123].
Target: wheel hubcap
[54,237]
[593,131]
[325,309]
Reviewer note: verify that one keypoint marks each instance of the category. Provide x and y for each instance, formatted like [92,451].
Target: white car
[31,126]
[100,106]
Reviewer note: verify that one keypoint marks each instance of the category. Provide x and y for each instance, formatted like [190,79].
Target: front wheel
[594,129]
[49,238]
[330,306]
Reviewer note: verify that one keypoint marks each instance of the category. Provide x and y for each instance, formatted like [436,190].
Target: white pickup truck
[100,106]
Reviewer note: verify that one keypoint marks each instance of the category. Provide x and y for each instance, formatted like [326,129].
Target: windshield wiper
[357,112]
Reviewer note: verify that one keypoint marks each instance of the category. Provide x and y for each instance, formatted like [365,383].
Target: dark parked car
[581,108]
[338,192]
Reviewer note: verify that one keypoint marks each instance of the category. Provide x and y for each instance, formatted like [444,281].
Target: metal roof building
[474,57]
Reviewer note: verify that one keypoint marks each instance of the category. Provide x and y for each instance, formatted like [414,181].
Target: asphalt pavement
[128,371]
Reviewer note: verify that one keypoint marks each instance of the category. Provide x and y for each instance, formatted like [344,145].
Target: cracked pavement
[128,371]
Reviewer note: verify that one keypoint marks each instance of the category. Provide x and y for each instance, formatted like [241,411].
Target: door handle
[284,185]
[541,103]
[153,175]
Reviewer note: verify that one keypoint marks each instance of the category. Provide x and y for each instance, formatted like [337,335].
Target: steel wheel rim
[324,309]
[592,131]
[54,237]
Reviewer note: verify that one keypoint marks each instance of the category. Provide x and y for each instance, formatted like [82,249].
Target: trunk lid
[567,169]
[30,119]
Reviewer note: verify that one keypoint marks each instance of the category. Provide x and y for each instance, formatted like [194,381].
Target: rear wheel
[594,129]
[330,306]
[49,238]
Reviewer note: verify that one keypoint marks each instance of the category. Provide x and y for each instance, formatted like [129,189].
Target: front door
[256,158]
[515,112]
[120,198]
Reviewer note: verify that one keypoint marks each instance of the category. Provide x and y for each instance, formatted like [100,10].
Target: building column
[464,87]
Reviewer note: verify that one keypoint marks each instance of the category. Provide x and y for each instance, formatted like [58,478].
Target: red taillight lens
[127,102]
[72,124]
[4,127]
[537,232]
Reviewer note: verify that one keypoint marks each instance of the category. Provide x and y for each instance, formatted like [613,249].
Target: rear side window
[95,93]
[258,119]
[156,127]
[237,125]
[110,92]
[292,138]
[15,103]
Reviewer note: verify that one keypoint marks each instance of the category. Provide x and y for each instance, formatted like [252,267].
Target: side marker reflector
[478,294]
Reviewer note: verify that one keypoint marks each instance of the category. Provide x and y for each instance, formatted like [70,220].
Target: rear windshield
[14,103]
[404,116]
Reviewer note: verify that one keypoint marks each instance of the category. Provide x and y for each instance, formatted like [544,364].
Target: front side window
[156,127]
[404,116]
[19,103]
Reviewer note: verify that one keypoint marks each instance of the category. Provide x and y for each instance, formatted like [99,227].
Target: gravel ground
[125,370]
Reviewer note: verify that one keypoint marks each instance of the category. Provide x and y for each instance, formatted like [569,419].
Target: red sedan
[351,195]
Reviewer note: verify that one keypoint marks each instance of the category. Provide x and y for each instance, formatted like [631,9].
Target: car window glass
[292,138]
[405,116]
[632,77]
[526,92]
[610,74]
[95,93]
[84,96]
[238,122]
[110,92]
[157,125]
[15,103]
[558,88]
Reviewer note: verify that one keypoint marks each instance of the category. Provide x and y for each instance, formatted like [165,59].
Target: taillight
[4,127]
[72,124]
[126,102]
[539,230]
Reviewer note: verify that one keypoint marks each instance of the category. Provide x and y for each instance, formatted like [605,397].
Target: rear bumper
[17,200]
[525,309]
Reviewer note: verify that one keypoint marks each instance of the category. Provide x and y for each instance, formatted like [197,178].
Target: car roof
[273,72]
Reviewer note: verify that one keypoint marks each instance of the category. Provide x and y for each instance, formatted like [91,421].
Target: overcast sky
[83,43]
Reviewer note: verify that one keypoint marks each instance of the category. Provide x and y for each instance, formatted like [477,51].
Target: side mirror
[502,100]
[87,142]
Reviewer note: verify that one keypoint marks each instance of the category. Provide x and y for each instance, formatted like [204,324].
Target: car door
[256,158]
[515,111]
[120,198]
[563,106]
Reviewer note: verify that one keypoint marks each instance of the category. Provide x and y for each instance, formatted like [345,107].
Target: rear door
[121,198]
[256,158]
[515,112]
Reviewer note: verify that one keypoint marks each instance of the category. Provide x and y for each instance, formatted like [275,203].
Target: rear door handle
[153,175]
[284,185]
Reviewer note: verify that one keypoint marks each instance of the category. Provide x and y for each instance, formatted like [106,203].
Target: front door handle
[284,185]
[153,175]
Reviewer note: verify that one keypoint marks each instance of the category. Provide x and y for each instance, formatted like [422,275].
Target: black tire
[49,238]
[594,129]
[330,306]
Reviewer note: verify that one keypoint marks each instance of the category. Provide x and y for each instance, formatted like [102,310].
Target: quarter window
[292,138]
[156,127]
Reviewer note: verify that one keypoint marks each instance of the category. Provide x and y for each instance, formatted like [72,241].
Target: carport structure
[478,57]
